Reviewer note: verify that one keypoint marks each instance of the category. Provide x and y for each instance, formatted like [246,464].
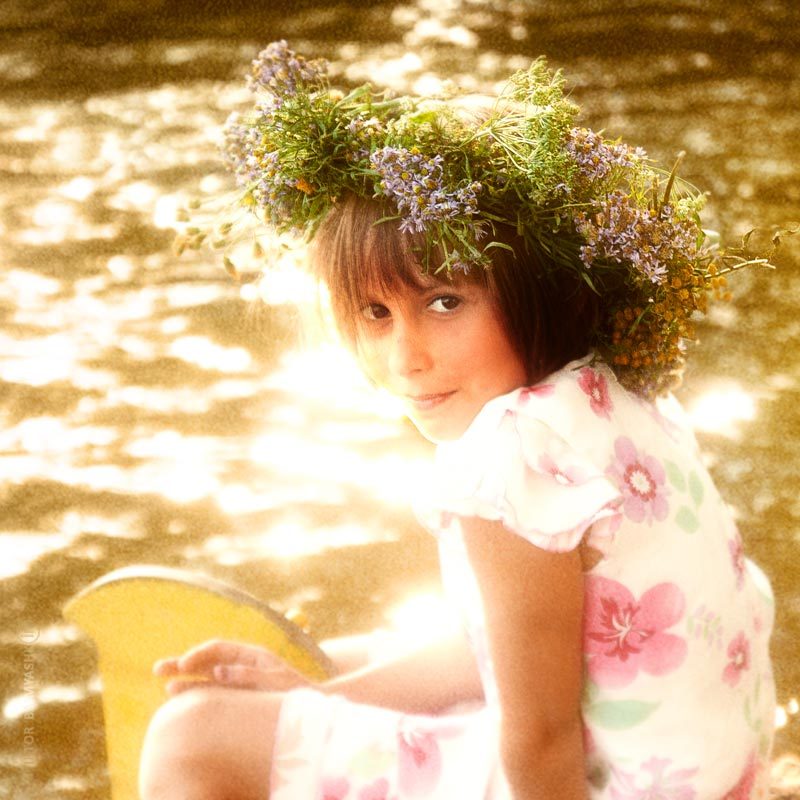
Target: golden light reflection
[71,146]
[37,362]
[237,498]
[165,211]
[44,120]
[719,410]
[204,353]
[78,189]
[134,196]
[283,283]
[189,296]
[27,289]
[181,481]
[73,523]
[28,702]
[422,616]
[188,401]
[56,220]
[51,435]
[288,540]
[432,29]
[391,478]
[20,550]
[329,373]
[385,71]
[180,468]
[53,213]
[121,267]
[784,713]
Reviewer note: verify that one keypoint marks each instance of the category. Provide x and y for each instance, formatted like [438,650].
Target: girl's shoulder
[528,459]
[547,459]
[584,404]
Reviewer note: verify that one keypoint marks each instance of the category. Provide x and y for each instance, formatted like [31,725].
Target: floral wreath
[596,207]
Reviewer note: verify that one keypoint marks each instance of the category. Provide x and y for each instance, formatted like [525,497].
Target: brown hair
[549,315]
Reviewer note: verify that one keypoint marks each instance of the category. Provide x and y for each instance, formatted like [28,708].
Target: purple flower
[416,184]
[596,158]
[620,231]
[281,71]
[238,149]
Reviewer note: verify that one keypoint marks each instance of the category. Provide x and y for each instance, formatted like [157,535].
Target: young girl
[528,308]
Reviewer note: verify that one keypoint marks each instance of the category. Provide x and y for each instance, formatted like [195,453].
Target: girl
[528,309]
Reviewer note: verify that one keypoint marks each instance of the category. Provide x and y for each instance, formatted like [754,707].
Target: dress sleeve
[513,467]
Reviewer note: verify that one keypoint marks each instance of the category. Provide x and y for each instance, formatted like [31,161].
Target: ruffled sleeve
[512,466]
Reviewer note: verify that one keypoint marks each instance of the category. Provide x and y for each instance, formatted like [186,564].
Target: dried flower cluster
[596,207]
[415,183]
[282,72]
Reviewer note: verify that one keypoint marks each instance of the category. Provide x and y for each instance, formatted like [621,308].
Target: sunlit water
[153,412]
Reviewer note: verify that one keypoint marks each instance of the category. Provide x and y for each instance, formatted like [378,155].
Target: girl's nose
[410,351]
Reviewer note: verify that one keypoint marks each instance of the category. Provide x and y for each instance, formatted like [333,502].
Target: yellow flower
[304,186]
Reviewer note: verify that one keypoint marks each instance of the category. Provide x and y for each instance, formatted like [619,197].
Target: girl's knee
[209,744]
[180,759]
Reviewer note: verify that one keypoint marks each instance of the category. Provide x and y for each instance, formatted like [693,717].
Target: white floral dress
[679,698]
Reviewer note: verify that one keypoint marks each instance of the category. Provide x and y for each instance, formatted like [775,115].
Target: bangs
[359,257]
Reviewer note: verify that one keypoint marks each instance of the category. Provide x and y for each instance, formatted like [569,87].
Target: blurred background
[152,412]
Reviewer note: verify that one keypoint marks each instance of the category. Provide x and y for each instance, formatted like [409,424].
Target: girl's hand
[230,664]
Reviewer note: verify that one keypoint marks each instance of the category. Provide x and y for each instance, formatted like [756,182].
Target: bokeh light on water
[153,411]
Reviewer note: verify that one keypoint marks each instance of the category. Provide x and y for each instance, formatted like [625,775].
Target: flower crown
[596,207]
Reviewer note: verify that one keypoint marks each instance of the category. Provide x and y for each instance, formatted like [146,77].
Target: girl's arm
[425,679]
[533,602]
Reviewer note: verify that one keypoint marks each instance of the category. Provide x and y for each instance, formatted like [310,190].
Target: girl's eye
[375,311]
[445,303]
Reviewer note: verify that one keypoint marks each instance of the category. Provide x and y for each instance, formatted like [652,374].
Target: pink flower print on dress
[744,786]
[737,557]
[623,636]
[379,790]
[661,784]
[595,385]
[420,763]
[738,659]
[540,390]
[334,789]
[566,476]
[641,479]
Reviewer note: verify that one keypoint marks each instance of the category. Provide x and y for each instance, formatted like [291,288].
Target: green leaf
[696,488]
[675,476]
[499,244]
[620,714]
[687,520]
[747,713]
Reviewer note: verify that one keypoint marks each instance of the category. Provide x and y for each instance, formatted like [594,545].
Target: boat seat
[137,615]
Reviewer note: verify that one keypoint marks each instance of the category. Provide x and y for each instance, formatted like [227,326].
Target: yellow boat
[138,615]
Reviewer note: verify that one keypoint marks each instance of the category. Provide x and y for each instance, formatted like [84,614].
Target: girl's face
[442,349]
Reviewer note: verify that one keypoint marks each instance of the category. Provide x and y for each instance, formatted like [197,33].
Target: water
[150,414]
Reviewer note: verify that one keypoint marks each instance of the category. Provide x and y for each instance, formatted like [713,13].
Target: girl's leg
[210,744]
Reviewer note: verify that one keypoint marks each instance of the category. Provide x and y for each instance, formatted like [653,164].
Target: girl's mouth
[426,402]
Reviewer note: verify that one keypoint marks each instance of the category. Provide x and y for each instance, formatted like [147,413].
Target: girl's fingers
[198,660]
[237,675]
[225,663]
[206,656]
[179,685]
[241,677]
[279,679]
[166,667]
